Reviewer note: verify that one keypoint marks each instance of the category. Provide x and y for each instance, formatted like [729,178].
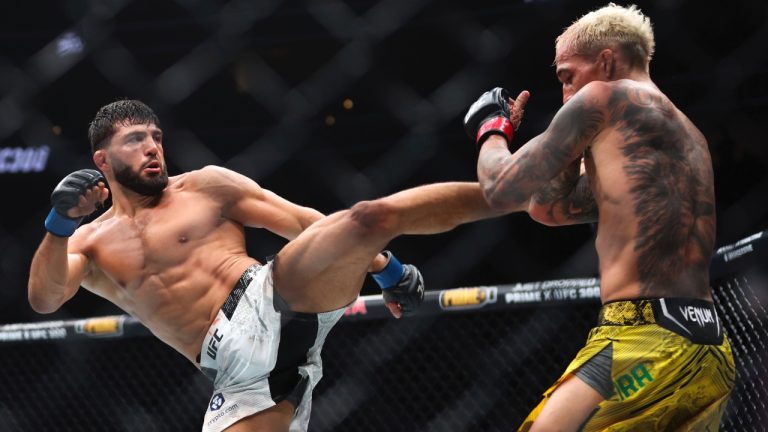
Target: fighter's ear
[100,159]
[607,62]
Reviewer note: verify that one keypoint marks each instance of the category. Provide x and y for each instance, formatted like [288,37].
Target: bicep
[513,179]
[78,273]
[253,206]
[265,209]
[80,268]
[247,203]
[572,129]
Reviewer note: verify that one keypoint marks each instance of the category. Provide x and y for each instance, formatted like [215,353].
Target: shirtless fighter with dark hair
[171,252]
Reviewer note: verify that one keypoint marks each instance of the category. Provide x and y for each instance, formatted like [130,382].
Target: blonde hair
[612,26]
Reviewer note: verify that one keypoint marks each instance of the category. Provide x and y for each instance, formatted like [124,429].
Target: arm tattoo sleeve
[510,180]
[568,197]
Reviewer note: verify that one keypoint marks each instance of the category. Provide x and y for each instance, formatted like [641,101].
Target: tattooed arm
[510,180]
[566,200]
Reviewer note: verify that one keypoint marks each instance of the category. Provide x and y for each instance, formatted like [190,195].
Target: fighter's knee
[375,216]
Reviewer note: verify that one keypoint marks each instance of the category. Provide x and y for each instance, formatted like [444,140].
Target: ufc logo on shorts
[213,346]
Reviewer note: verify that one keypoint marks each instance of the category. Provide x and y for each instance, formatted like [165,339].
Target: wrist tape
[390,275]
[497,125]
[59,225]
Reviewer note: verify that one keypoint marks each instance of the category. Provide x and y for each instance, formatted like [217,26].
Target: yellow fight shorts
[671,367]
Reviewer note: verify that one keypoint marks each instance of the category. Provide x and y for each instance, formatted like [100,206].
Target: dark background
[258,86]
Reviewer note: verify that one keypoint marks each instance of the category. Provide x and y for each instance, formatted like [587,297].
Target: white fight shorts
[259,354]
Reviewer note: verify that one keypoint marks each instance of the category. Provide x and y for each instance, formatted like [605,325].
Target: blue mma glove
[401,284]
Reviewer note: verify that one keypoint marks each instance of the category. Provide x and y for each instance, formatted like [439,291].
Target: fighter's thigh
[569,407]
[335,251]
[275,419]
[321,246]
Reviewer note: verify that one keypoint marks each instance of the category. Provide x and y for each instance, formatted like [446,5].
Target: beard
[132,180]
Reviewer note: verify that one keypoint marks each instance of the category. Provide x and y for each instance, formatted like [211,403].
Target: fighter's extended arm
[251,205]
[58,267]
[254,206]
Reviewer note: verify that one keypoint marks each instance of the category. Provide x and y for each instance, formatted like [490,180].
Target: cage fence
[472,359]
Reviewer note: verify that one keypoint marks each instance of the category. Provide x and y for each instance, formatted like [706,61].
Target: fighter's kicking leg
[324,267]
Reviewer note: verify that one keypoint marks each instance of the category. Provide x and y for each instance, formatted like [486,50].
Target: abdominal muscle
[178,304]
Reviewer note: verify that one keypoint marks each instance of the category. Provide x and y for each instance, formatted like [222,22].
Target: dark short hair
[121,112]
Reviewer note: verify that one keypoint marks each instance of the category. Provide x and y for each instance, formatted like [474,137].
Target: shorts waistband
[230,304]
[694,319]
[627,313]
[648,311]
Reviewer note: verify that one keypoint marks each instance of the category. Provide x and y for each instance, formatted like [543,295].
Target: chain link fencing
[474,359]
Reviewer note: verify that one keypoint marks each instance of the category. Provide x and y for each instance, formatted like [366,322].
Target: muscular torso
[651,177]
[170,265]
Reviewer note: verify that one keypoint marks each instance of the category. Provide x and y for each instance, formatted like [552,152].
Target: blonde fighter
[659,359]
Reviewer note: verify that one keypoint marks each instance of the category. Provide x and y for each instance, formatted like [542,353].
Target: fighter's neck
[128,202]
[635,74]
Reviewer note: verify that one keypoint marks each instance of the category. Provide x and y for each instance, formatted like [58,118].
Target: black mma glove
[401,284]
[67,195]
[489,115]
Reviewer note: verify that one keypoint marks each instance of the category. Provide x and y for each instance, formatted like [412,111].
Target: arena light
[69,43]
